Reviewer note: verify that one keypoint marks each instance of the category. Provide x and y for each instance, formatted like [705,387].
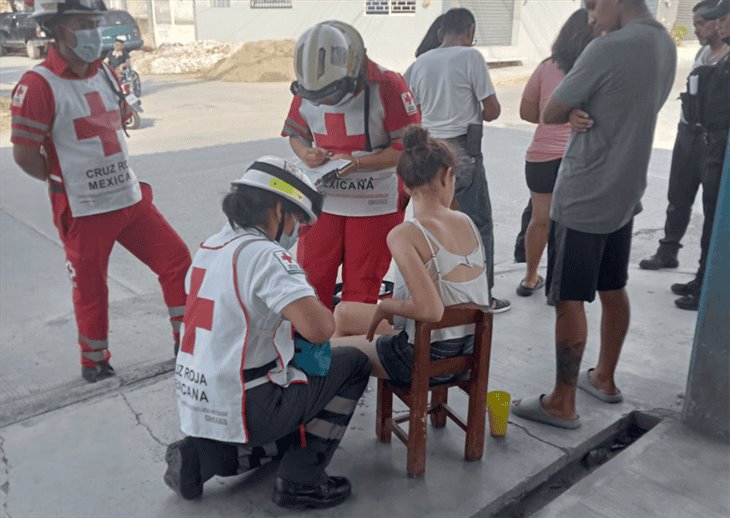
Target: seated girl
[440,261]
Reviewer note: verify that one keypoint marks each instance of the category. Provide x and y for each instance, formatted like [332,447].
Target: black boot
[689,288]
[100,372]
[183,469]
[662,259]
[689,302]
[332,491]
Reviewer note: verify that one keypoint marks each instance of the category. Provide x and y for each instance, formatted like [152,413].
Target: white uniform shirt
[449,84]
[237,286]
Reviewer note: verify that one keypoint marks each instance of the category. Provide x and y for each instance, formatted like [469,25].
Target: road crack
[137,417]
[564,450]
[5,487]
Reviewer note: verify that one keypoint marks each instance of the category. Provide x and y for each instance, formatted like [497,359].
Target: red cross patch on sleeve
[19,96]
[409,103]
[288,262]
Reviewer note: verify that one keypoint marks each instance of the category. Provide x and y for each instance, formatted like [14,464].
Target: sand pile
[256,62]
[179,58]
[4,116]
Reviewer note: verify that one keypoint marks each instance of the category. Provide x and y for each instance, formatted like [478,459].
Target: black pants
[685,177]
[712,149]
[472,195]
[274,415]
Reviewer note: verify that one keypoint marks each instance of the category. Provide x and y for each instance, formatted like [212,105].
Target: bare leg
[360,342]
[536,235]
[571,333]
[615,317]
[353,318]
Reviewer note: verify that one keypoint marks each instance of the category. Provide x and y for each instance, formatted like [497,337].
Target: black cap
[722,8]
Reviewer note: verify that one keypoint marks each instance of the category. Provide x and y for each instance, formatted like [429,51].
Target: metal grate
[403,6]
[271,4]
[377,7]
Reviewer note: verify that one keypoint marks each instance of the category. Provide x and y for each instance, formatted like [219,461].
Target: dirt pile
[179,58]
[256,62]
[4,116]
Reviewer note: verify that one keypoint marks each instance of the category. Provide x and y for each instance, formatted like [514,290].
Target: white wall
[391,40]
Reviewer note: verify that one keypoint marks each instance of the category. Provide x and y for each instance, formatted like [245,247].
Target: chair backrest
[423,368]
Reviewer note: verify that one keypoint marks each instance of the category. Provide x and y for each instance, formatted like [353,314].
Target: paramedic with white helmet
[346,106]
[244,387]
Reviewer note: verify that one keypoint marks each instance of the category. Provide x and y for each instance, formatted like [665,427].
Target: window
[219,3]
[377,7]
[403,6]
[270,4]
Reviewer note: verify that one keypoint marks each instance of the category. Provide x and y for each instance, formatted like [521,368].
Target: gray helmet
[328,62]
[44,11]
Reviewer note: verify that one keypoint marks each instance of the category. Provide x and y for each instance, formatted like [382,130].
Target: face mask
[88,44]
[288,241]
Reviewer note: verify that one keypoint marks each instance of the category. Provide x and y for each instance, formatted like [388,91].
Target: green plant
[679,32]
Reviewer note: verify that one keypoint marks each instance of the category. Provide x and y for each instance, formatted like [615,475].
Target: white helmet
[45,10]
[276,175]
[328,61]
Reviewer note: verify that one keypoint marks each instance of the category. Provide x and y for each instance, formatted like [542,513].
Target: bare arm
[383,159]
[491,108]
[529,111]
[31,161]
[312,156]
[556,112]
[311,319]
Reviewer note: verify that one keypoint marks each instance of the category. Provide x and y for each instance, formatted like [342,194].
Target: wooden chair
[416,396]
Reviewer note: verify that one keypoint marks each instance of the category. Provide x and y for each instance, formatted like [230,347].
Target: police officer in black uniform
[709,108]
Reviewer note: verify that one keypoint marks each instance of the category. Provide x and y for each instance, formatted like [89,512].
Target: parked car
[20,31]
[118,24]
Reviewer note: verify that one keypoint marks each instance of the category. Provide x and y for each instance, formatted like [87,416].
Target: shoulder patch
[288,262]
[409,103]
[19,95]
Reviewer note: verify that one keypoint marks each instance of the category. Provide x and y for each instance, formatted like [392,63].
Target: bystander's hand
[579,120]
[315,157]
[378,317]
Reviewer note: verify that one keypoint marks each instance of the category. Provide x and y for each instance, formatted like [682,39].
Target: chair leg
[416,462]
[384,411]
[439,397]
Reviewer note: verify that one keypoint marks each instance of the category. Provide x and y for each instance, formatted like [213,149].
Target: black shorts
[580,263]
[396,356]
[541,176]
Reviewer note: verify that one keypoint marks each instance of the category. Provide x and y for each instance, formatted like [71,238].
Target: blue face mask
[88,44]
[288,241]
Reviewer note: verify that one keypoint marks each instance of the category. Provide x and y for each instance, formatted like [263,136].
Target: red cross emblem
[198,312]
[287,258]
[100,124]
[336,139]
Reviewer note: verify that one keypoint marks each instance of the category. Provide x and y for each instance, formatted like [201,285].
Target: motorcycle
[132,89]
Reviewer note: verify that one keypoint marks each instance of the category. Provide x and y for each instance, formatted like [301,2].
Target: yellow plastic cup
[498,410]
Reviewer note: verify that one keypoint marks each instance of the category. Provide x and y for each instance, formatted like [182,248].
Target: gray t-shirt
[449,84]
[622,80]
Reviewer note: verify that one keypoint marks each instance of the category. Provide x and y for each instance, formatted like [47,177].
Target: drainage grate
[628,430]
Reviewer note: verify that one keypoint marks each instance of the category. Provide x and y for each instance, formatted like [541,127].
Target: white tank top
[89,141]
[473,291]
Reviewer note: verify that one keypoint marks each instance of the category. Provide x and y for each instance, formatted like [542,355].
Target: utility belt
[471,141]
[699,129]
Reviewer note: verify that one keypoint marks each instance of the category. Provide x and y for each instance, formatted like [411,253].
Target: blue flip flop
[531,409]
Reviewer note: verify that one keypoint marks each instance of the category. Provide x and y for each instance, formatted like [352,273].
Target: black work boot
[663,258]
[689,302]
[332,491]
[183,469]
[100,372]
[689,288]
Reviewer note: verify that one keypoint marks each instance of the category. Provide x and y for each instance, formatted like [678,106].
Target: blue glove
[314,359]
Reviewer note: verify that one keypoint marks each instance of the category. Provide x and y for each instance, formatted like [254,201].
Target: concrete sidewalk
[105,456]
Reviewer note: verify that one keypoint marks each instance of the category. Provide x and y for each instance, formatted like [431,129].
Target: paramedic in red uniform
[346,106]
[67,132]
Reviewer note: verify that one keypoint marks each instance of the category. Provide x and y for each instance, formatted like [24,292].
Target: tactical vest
[710,106]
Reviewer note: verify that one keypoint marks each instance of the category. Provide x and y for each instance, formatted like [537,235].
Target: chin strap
[280,230]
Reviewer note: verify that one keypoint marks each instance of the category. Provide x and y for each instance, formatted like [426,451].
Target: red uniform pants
[88,242]
[356,243]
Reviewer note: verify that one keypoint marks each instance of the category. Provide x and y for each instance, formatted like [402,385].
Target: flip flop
[525,291]
[584,383]
[531,409]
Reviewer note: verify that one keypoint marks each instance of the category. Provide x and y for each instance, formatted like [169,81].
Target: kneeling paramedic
[242,394]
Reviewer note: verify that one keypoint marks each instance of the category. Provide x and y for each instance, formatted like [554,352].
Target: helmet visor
[331,94]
